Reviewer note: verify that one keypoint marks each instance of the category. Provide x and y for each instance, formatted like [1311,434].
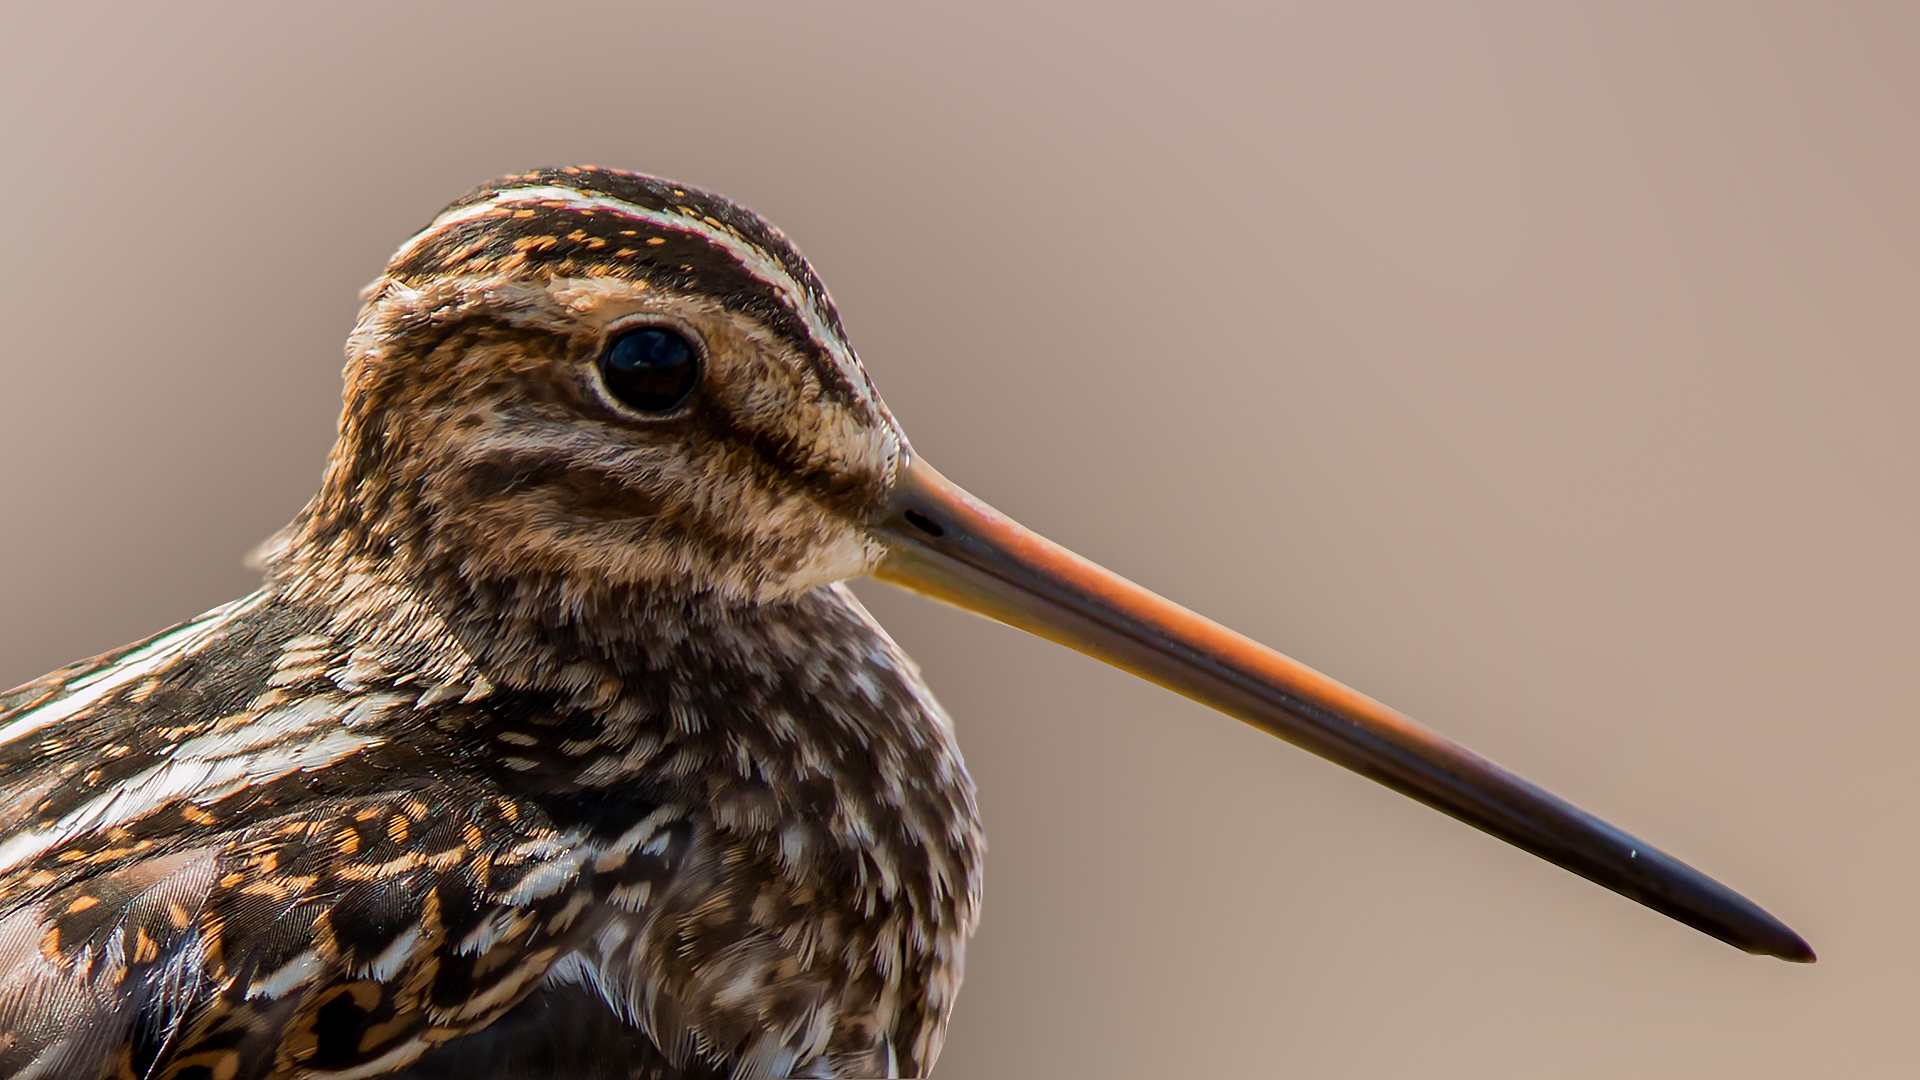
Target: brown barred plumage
[522,704]
[553,745]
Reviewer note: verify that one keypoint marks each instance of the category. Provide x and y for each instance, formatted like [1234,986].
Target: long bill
[944,543]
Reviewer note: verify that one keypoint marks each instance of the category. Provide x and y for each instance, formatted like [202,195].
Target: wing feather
[351,935]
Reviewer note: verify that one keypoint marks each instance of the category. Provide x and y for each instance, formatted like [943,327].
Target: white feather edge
[137,664]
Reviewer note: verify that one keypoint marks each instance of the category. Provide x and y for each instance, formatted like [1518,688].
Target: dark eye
[651,369]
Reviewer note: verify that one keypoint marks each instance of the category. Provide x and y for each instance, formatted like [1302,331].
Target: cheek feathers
[758,492]
[657,532]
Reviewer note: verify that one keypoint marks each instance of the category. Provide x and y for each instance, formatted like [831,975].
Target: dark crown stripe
[597,222]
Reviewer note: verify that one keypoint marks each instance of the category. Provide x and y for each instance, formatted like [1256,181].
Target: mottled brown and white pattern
[552,746]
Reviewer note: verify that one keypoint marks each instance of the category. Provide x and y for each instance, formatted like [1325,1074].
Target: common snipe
[554,745]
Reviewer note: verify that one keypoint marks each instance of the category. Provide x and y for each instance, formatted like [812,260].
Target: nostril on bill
[924,523]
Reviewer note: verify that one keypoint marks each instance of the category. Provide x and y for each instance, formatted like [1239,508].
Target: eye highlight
[650,369]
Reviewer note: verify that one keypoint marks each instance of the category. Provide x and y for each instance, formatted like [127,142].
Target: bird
[554,743]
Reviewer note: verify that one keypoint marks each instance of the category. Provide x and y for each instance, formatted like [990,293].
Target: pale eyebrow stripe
[750,256]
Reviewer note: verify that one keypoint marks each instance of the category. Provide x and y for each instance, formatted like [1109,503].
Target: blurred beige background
[1549,371]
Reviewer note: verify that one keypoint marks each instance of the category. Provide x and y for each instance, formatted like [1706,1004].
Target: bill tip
[1793,949]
